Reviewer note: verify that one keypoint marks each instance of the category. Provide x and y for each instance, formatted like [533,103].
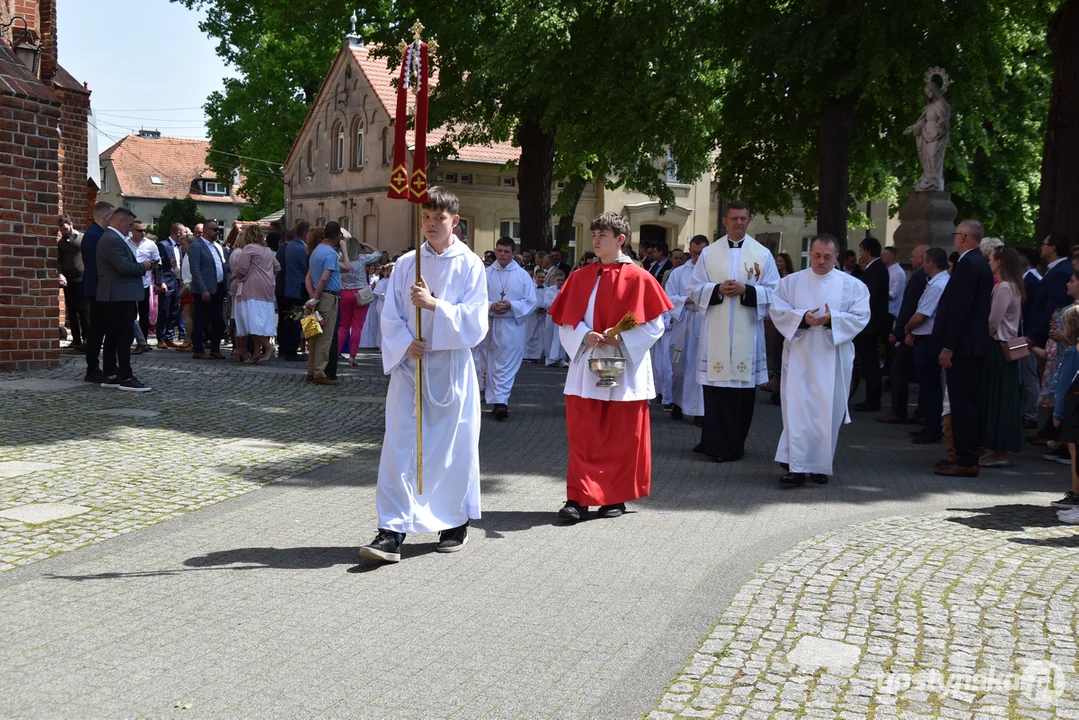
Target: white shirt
[1037,275]
[897,279]
[929,302]
[218,261]
[145,250]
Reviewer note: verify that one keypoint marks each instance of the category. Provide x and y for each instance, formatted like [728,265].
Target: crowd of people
[988,337]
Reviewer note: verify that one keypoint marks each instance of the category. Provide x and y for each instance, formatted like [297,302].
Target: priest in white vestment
[732,282]
[535,325]
[453,299]
[554,353]
[687,395]
[818,311]
[511,297]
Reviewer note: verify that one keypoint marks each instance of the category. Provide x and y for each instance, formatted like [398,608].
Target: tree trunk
[1059,200]
[535,174]
[572,192]
[836,124]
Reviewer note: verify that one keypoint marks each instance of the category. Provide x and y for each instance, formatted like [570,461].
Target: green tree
[281,50]
[184,211]
[589,89]
[815,93]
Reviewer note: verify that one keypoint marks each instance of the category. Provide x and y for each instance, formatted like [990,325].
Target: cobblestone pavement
[257,606]
[208,431]
[959,614]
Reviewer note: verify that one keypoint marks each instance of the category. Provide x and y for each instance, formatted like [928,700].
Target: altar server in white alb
[453,297]
[511,297]
[819,311]
[687,395]
[734,279]
[536,323]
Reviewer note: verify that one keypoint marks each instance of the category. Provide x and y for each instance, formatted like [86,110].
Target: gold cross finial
[417,30]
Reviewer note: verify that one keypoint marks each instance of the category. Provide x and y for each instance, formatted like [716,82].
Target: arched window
[338,162]
[386,155]
[359,131]
[310,165]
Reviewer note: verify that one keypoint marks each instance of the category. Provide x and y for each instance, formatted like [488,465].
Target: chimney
[47,38]
[149,134]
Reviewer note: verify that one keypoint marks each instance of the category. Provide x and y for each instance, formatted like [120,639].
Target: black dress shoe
[793,479]
[572,511]
[866,407]
[500,412]
[612,511]
[819,478]
[676,412]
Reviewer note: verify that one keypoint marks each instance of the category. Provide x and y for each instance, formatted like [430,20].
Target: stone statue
[931,131]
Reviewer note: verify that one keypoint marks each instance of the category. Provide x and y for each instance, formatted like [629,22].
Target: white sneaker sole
[373,554]
[453,548]
[127,389]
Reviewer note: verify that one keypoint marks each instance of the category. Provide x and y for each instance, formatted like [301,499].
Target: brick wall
[29,202]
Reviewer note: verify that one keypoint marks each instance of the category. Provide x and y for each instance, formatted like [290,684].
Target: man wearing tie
[168,307]
[208,287]
[662,264]
[961,329]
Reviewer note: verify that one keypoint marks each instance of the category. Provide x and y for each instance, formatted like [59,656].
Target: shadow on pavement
[1007,518]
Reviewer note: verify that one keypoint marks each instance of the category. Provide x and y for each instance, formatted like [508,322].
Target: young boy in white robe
[453,298]
[537,319]
[819,311]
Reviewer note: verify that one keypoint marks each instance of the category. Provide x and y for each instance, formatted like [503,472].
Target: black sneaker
[1061,453]
[1070,500]
[94,376]
[612,511]
[453,539]
[385,547]
[133,385]
[111,382]
[573,511]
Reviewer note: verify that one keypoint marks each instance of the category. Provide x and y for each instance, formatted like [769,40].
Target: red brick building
[44,171]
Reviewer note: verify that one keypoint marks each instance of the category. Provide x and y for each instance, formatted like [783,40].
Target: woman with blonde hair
[255,265]
[239,343]
[355,257]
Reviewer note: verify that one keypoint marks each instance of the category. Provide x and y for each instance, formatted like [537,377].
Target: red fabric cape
[623,288]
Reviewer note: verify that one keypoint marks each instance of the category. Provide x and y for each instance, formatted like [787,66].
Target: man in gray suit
[208,288]
[119,290]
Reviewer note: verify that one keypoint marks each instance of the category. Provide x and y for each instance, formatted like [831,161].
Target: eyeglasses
[138,230]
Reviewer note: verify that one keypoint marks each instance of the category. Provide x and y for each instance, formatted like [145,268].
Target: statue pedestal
[926,218]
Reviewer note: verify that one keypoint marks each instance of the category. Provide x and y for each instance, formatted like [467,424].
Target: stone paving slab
[968,613]
[256,605]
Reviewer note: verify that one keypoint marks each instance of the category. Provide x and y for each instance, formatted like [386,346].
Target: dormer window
[214,188]
[156,180]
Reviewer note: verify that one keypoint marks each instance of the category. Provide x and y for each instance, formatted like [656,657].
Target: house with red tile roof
[142,172]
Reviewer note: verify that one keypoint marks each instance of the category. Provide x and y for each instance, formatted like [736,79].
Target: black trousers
[903,371]
[964,393]
[331,363]
[865,346]
[728,413]
[288,331]
[209,322]
[119,332]
[168,315]
[930,391]
[78,311]
[889,347]
[96,336]
[144,313]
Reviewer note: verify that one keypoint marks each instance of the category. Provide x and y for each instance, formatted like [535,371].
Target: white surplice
[498,357]
[553,350]
[700,289]
[536,325]
[451,398]
[817,363]
[661,362]
[636,382]
[685,336]
[369,333]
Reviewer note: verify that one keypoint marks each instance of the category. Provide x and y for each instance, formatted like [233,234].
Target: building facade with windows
[339,169]
[142,172]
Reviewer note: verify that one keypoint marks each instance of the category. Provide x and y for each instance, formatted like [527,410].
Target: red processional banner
[405,185]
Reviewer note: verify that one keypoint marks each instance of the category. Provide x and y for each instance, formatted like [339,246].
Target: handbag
[1016,348]
[312,328]
[364,297]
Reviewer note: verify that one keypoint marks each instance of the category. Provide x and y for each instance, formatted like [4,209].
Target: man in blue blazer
[1053,289]
[208,287]
[961,330]
[119,291]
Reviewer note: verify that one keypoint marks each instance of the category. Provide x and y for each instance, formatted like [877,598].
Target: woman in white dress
[536,321]
[369,334]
